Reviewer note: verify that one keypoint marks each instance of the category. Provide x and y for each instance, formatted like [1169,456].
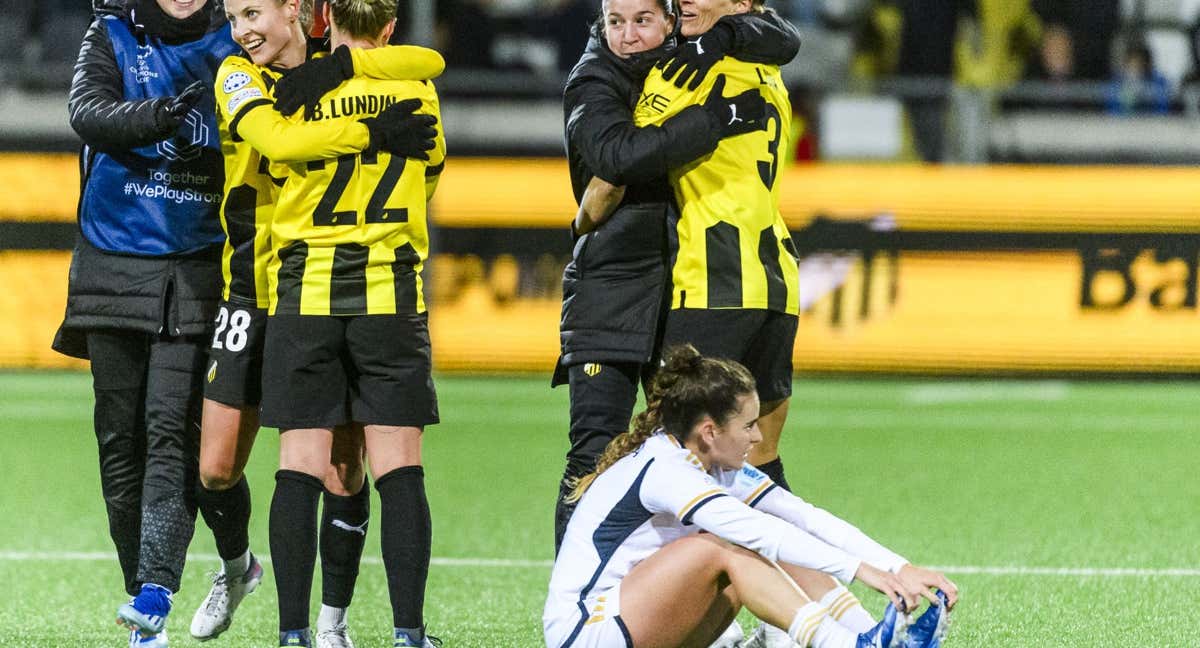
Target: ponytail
[362,18]
[688,388]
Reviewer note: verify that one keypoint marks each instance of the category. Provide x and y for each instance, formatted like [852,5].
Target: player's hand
[600,200]
[889,585]
[173,110]
[744,113]
[399,130]
[692,60]
[922,582]
[305,85]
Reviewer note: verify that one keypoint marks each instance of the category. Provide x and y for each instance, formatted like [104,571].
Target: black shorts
[761,340]
[324,371]
[234,373]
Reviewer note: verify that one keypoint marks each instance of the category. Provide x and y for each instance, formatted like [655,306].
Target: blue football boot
[888,633]
[295,638]
[402,639]
[147,612]
[137,640]
[930,628]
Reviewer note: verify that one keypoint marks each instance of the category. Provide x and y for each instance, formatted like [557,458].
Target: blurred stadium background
[977,185]
[979,188]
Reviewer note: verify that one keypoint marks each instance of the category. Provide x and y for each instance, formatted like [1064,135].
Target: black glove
[305,85]
[400,131]
[173,110]
[696,56]
[744,113]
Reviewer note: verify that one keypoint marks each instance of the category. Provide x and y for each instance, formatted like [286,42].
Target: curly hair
[362,18]
[688,388]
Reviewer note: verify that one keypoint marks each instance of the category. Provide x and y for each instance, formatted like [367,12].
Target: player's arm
[694,498]
[244,100]
[600,200]
[755,37]
[762,37]
[437,155]
[99,113]
[306,84]
[398,62]
[600,126]
[916,581]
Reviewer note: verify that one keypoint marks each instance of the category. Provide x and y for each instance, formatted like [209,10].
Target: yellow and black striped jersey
[734,250]
[253,135]
[349,236]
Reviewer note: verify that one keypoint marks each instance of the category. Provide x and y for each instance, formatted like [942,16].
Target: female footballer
[616,283]
[253,136]
[347,342]
[635,570]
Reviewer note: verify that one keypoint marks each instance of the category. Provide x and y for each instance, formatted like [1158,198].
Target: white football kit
[660,493]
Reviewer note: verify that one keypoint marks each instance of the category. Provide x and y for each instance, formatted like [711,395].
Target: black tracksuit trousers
[148,393]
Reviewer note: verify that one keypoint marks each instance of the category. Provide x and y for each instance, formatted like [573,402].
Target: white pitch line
[1014,570]
[987,392]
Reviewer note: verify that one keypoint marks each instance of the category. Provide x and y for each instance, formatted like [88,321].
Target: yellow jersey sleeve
[398,62]
[437,157]
[244,99]
[734,248]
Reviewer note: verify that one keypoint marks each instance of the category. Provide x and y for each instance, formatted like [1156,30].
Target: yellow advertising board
[988,270]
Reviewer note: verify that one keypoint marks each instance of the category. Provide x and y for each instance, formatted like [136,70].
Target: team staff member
[145,274]
[675,532]
[347,338]
[272,33]
[615,285]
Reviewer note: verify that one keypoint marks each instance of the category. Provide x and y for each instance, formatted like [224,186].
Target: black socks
[406,536]
[774,470]
[343,534]
[227,513]
[293,531]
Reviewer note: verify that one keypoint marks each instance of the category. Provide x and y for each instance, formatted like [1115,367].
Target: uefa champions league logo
[189,141]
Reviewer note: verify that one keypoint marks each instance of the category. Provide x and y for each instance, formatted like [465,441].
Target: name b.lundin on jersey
[365,105]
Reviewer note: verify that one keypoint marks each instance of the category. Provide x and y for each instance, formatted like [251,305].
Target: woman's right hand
[600,200]
[889,585]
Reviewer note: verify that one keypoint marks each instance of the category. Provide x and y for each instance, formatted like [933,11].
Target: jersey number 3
[767,169]
[377,212]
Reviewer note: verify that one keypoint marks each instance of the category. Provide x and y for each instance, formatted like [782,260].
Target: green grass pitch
[1004,484]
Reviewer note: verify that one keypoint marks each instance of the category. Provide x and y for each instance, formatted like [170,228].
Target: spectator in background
[566,26]
[1056,56]
[927,54]
[1086,29]
[465,33]
[1137,87]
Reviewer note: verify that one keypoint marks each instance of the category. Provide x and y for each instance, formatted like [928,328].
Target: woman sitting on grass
[635,571]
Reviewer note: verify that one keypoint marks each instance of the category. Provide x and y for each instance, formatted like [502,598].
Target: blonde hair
[688,388]
[307,15]
[362,18]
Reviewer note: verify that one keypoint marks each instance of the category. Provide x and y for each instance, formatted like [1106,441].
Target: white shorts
[602,628]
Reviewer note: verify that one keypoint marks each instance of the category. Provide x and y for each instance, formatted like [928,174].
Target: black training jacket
[171,295]
[616,286]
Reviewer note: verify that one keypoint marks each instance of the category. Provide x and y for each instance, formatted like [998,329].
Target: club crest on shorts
[212,372]
[591,368]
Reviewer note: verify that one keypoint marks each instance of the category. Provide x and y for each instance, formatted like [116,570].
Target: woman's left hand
[921,581]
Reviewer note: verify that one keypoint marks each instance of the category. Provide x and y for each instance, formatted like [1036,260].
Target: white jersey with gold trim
[660,493]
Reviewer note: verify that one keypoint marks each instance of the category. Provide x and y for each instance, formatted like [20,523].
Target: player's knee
[219,477]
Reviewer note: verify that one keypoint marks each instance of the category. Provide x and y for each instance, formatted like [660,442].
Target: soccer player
[635,570]
[145,275]
[253,135]
[616,283]
[347,339]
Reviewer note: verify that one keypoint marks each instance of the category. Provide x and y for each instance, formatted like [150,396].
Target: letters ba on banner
[1126,307]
